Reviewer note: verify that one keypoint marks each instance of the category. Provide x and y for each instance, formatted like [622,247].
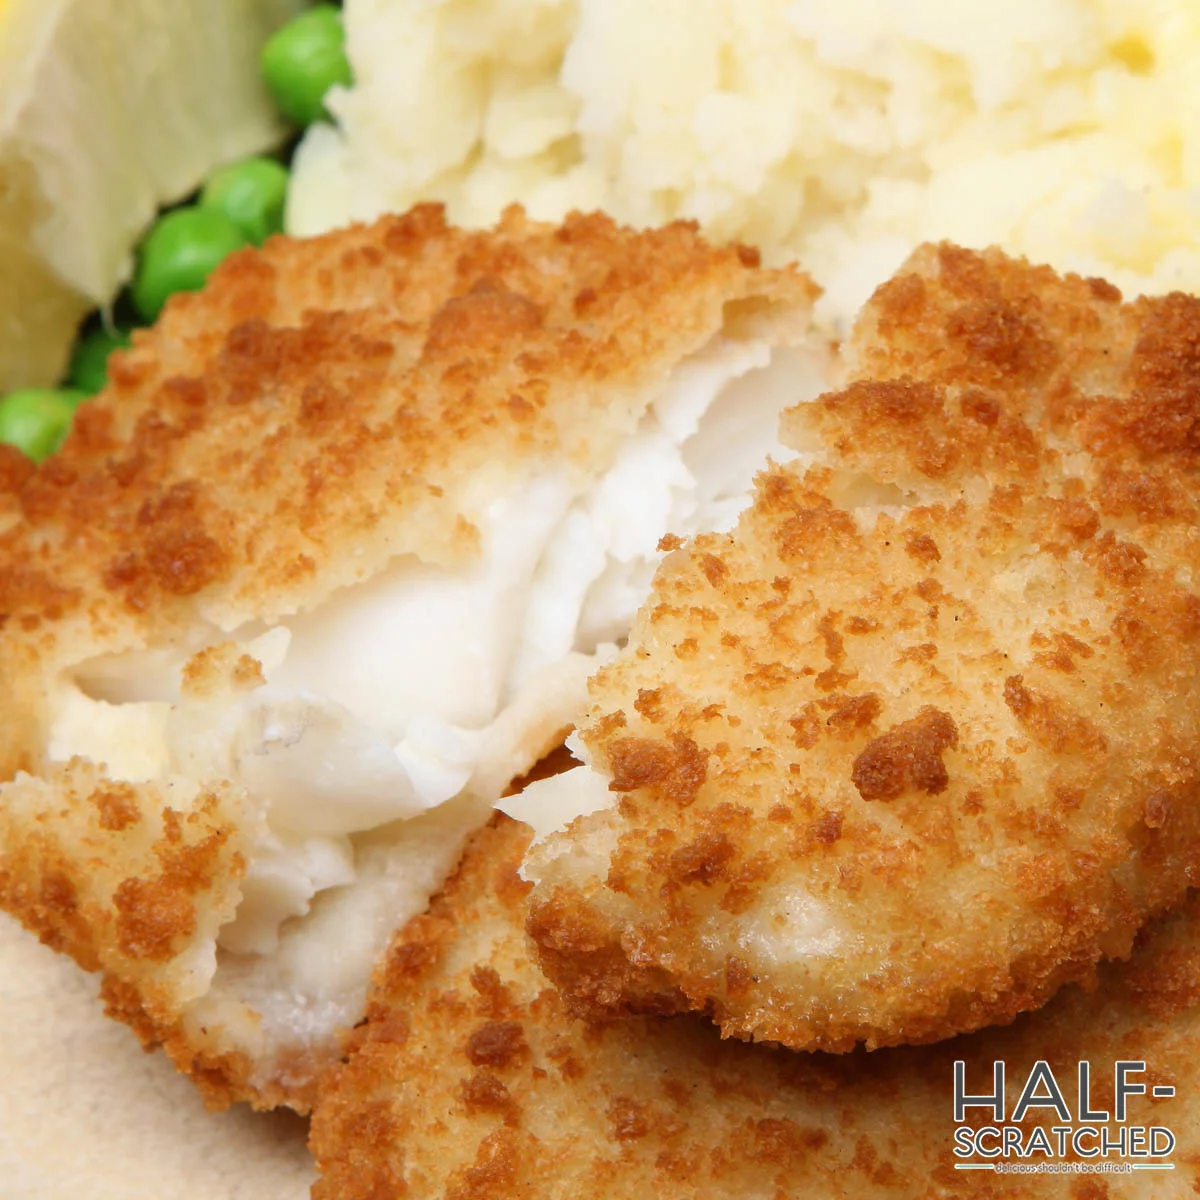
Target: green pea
[89,362]
[36,420]
[303,60]
[179,254]
[251,194]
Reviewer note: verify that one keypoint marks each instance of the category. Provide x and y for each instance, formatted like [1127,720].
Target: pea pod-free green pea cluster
[242,204]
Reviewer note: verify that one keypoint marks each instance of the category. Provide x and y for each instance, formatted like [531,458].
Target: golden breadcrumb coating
[469,1081]
[915,744]
[321,409]
[324,406]
[132,880]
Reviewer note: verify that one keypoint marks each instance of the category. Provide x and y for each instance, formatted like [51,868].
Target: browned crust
[113,876]
[125,884]
[960,737]
[221,1078]
[321,408]
[56,876]
[650,1107]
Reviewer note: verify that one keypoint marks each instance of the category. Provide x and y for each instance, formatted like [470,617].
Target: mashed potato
[839,132]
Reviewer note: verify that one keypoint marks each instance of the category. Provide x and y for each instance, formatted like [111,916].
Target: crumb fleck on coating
[943,674]
[320,410]
[650,1107]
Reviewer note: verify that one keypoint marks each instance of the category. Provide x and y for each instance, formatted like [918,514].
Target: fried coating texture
[132,880]
[320,410]
[914,745]
[324,406]
[470,1081]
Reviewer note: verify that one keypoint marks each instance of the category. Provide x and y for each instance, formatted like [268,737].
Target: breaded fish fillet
[916,744]
[469,1080]
[322,570]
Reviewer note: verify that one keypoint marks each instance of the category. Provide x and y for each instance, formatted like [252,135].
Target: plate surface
[86,1115]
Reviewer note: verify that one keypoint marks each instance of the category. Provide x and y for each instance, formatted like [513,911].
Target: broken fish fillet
[915,744]
[470,1080]
[323,569]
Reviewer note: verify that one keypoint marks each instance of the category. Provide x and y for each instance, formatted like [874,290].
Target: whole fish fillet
[914,745]
[322,570]
[470,1080]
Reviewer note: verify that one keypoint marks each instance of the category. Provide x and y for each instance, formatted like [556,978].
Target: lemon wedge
[108,110]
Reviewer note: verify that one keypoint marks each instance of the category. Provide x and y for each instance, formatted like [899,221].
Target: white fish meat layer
[396,712]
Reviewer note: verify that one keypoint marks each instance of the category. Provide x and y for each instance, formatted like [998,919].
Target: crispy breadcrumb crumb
[322,409]
[920,745]
[470,1080]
